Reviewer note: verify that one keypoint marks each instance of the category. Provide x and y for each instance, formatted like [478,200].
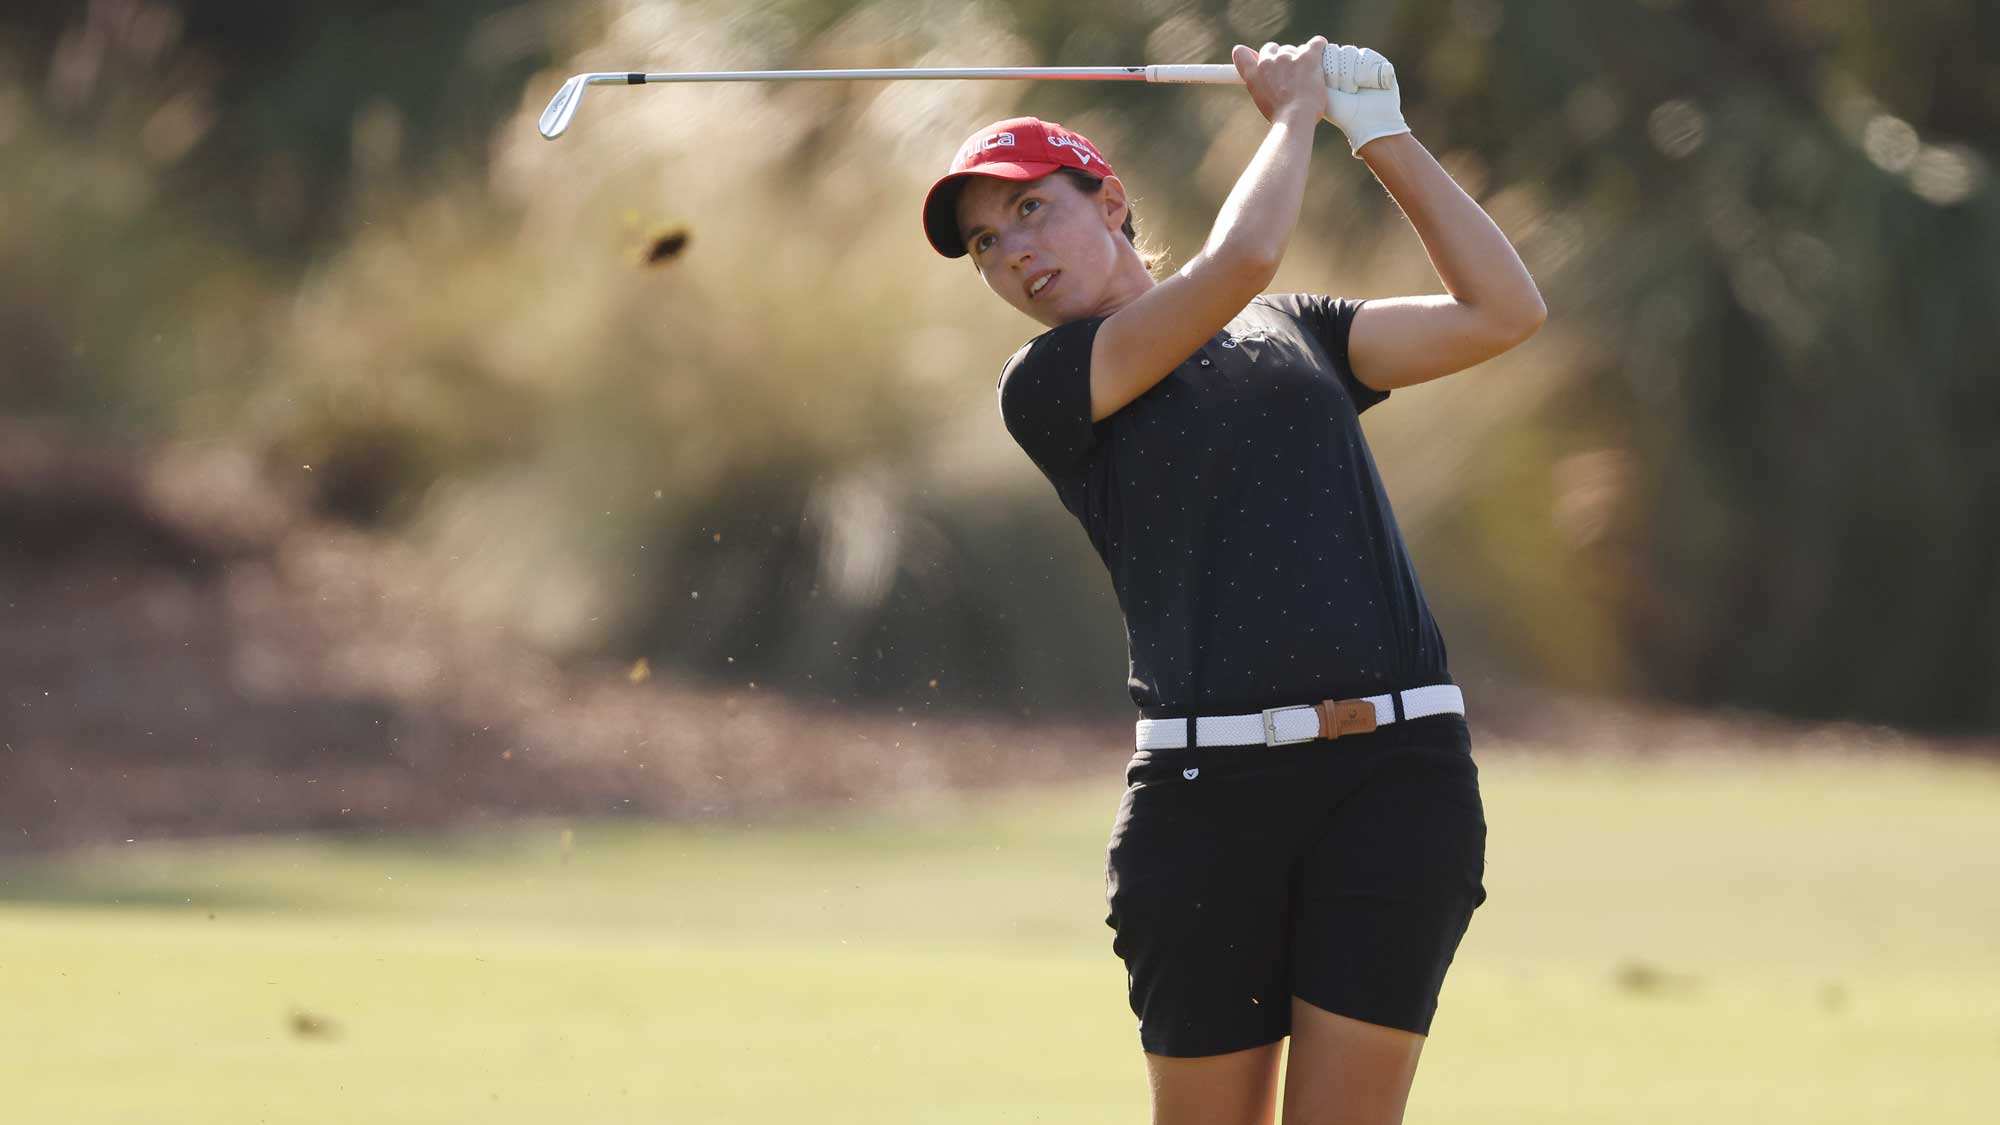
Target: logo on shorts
[1191,772]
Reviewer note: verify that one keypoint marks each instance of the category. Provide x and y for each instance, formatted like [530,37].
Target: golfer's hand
[1362,114]
[1285,81]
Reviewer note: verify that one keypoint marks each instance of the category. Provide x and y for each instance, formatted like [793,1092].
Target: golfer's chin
[1054,311]
[1048,314]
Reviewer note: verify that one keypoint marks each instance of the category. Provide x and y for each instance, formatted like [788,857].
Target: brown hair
[1155,258]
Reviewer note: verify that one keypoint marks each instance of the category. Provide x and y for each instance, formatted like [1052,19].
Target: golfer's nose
[1018,252]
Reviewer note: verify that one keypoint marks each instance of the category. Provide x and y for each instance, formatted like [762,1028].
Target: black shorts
[1341,871]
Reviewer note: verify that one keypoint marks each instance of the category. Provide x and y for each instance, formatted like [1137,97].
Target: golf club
[1372,75]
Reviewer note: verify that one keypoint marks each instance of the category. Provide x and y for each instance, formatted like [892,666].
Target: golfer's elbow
[1520,316]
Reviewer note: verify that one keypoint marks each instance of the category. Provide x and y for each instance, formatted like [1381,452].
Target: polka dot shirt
[1239,512]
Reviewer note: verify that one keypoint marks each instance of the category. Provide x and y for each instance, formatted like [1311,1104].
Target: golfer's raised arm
[1490,303]
[1140,344]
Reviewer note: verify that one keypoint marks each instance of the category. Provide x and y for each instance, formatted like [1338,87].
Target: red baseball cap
[1019,148]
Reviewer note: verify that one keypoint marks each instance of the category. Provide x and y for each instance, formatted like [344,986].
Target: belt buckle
[1271,726]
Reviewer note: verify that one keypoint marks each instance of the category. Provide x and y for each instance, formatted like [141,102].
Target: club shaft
[556,118]
[891,75]
[562,108]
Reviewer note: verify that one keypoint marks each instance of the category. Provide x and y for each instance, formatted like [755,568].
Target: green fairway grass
[1749,939]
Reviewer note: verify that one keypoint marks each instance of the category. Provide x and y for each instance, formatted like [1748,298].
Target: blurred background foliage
[1753,460]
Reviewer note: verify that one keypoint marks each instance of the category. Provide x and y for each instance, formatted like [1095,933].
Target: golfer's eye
[980,244]
[1028,203]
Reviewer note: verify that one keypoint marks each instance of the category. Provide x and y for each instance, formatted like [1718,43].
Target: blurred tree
[1775,480]
[291,104]
[1779,220]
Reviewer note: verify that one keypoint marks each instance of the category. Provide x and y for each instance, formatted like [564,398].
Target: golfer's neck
[1131,283]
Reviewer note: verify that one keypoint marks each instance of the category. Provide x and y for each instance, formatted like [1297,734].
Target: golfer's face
[1043,245]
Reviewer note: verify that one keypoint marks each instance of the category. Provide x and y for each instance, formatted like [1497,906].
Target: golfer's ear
[1113,198]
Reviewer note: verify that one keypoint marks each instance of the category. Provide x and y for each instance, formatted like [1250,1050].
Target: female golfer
[1301,842]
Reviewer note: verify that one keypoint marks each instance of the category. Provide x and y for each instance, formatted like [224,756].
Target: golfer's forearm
[1257,219]
[1472,257]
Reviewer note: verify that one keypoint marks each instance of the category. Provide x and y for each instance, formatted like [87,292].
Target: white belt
[1330,718]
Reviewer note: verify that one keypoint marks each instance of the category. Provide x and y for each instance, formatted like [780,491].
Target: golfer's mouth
[1041,283]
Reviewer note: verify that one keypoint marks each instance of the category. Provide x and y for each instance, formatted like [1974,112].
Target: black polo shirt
[1238,510]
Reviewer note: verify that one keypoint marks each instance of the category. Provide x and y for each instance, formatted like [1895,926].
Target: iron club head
[562,107]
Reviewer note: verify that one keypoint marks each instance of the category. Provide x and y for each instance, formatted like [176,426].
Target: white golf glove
[1362,114]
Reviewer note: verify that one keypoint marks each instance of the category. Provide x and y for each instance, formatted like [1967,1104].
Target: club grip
[1204,73]
[1373,75]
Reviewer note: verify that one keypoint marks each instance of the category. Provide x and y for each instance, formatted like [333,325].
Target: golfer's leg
[1239,1088]
[1386,893]
[1196,881]
[1343,1071]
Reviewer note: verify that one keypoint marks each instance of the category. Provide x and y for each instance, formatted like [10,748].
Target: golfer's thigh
[1344,1071]
[1238,1088]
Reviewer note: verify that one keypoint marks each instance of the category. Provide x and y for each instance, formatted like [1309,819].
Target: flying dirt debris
[664,246]
[307,1025]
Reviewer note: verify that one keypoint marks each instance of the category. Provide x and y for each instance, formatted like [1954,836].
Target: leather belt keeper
[1345,716]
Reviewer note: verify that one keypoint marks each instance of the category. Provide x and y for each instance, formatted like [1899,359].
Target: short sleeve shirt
[1238,509]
